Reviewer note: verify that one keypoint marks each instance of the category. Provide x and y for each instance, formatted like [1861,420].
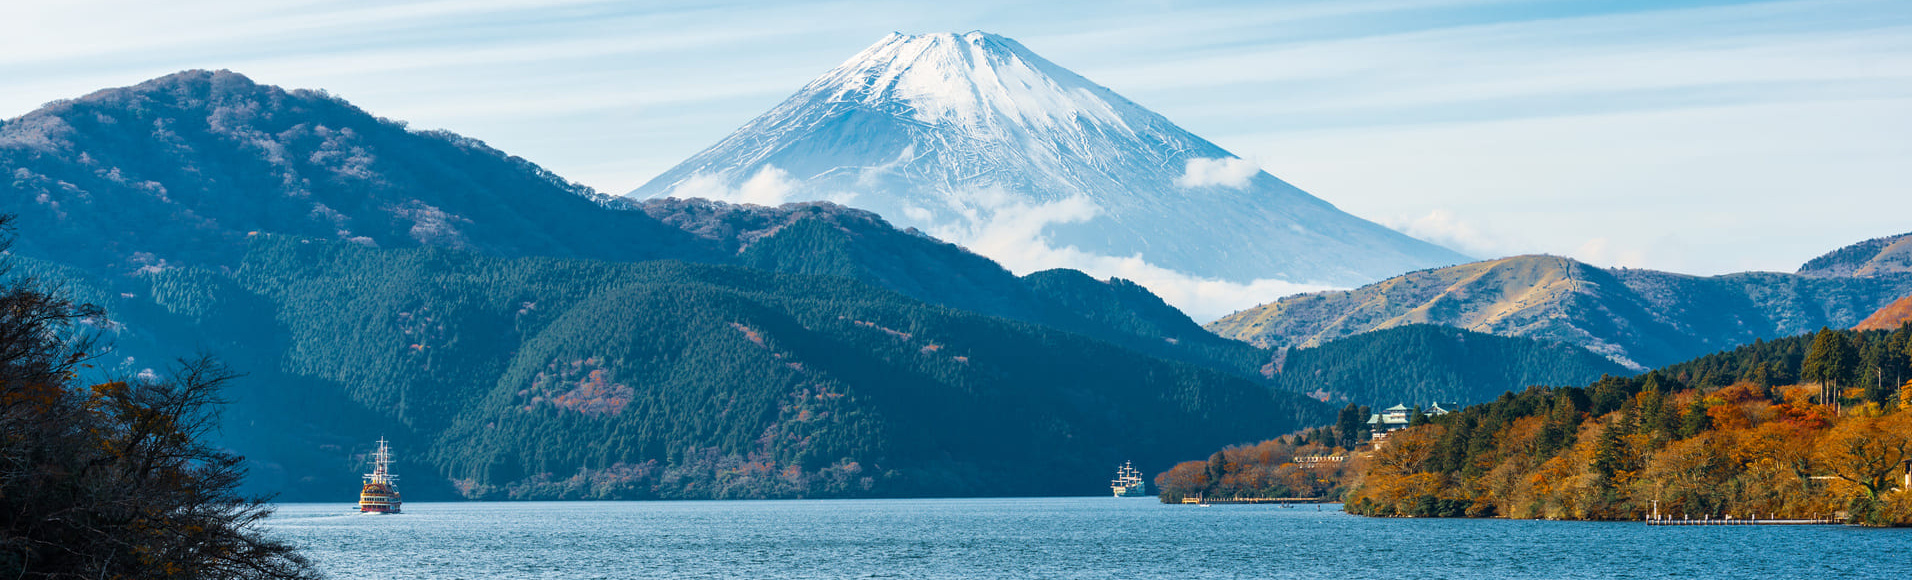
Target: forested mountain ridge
[179,169]
[545,378]
[1640,318]
[822,238]
[1420,364]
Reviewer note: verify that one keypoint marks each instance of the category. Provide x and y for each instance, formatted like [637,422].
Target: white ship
[1128,482]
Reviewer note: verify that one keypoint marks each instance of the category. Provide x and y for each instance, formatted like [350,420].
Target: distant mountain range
[976,139]
[524,337]
[1874,257]
[1640,318]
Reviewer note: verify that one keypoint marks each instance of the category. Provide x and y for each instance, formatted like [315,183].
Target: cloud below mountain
[771,186]
[1445,228]
[1226,172]
[1010,230]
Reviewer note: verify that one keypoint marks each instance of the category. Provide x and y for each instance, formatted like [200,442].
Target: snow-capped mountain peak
[971,79]
[975,139]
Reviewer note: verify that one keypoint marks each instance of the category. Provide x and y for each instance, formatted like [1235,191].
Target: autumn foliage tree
[1265,470]
[115,480]
[1712,438]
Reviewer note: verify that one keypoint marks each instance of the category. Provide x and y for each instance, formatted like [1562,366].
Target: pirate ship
[380,493]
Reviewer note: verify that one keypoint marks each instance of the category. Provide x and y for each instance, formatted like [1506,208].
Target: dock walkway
[1270,500]
[1743,522]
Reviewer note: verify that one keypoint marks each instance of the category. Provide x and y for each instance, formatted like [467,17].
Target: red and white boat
[380,494]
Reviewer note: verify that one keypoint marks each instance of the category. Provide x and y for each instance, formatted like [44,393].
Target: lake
[1043,538]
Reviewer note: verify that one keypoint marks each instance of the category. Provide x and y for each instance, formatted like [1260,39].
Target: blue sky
[1701,137]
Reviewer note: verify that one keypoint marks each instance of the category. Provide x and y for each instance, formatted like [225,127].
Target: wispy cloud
[1013,232]
[1443,227]
[1224,172]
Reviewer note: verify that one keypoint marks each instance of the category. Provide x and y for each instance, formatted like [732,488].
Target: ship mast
[381,465]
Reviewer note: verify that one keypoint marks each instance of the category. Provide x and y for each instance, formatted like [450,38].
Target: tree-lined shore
[1813,426]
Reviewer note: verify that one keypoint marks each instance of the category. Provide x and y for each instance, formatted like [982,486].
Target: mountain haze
[977,140]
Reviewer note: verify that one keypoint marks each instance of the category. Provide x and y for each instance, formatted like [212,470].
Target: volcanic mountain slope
[973,137]
[1640,318]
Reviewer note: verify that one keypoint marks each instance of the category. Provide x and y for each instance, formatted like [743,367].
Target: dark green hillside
[832,240]
[545,378]
[179,169]
[1424,363]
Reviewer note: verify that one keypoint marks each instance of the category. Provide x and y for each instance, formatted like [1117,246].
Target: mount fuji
[975,139]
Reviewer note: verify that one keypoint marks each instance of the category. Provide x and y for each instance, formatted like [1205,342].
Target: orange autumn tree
[1265,470]
[1869,452]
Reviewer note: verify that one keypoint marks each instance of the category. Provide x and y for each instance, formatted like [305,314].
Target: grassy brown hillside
[1640,318]
[1891,317]
[1887,255]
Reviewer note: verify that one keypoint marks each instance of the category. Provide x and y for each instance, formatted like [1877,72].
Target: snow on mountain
[975,139]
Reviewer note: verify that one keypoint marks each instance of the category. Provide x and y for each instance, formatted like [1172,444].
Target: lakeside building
[1396,418]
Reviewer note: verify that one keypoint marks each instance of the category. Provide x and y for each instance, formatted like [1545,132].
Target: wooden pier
[1711,521]
[1276,500]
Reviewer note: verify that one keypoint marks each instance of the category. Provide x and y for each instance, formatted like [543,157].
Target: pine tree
[1831,362]
[1346,424]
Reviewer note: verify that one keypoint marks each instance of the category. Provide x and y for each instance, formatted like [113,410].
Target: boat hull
[379,499]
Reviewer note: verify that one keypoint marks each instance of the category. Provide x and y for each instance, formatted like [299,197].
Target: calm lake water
[1045,538]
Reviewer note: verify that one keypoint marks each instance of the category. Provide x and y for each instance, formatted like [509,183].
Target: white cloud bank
[1010,231]
[770,186]
[1443,227]
[1223,171]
